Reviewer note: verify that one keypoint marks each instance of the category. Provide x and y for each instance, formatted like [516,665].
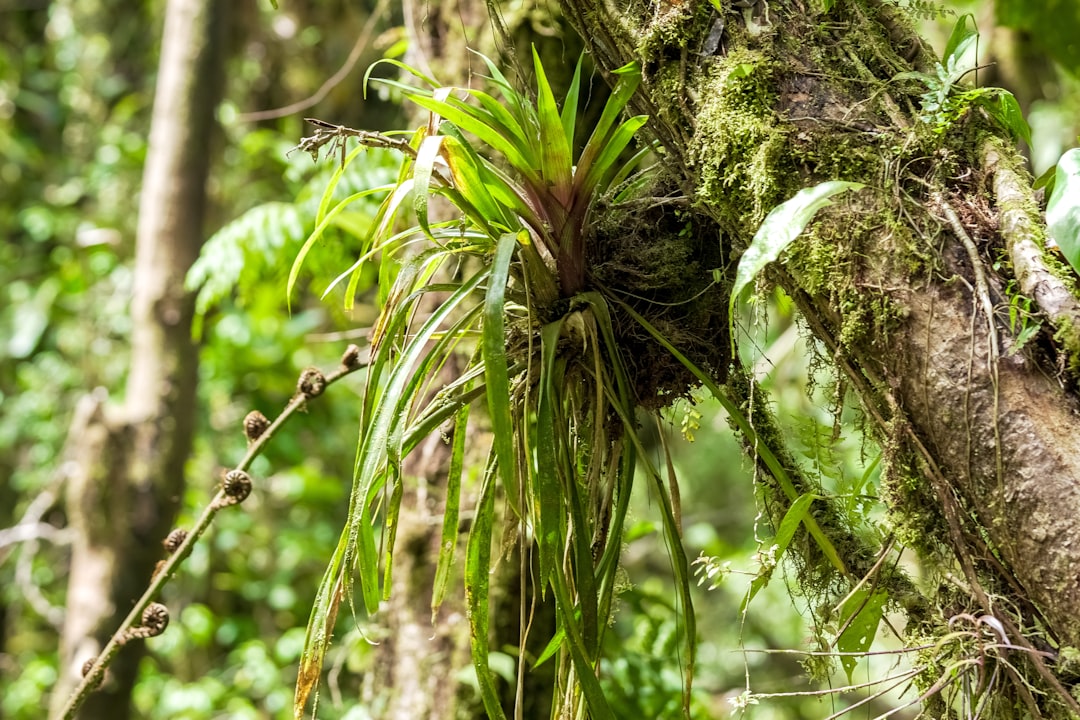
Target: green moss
[739,147]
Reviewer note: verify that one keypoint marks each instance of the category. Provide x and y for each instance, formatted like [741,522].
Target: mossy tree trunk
[906,284]
[123,497]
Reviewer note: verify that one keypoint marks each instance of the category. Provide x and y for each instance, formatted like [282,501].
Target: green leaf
[451,504]
[629,79]
[554,151]
[782,225]
[1003,107]
[860,628]
[602,170]
[1063,209]
[475,121]
[964,34]
[1046,180]
[546,487]
[401,66]
[477,579]
[422,171]
[495,368]
[794,516]
[570,105]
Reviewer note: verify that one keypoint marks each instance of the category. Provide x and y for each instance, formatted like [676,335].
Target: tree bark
[907,285]
[122,500]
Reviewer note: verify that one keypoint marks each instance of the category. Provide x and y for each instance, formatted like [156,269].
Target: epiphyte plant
[512,276]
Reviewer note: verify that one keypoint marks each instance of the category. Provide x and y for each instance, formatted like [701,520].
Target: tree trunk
[122,500]
[907,286]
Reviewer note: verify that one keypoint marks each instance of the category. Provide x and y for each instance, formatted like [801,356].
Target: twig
[1019,223]
[335,136]
[235,487]
[30,527]
[24,532]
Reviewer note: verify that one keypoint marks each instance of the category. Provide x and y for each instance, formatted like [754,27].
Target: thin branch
[363,40]
[30,527]
[1022,231]
[24,532]
[312,383]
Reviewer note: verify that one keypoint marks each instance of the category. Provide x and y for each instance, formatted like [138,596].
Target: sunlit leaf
[794,517]
[782,225]
[1063,208]
[495,368]
[962,39]
[861,613]
[1003,107]
[554,148]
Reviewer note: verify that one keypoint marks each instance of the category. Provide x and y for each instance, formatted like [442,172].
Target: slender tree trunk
[907,285]
[131,457]
[417,669]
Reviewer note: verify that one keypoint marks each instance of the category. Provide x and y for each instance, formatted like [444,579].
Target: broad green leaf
[1063,209]
[603,169]
[502,119]
[858,635]
[782,225]
[1003,107]
[629,79]
[471,120]
[495,368]
[964,35]
[794,516]
[468,181]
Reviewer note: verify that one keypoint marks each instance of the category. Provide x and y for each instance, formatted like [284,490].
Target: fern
[922,9]
[246,252]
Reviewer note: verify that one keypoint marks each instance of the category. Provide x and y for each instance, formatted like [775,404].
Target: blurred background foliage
[76,83]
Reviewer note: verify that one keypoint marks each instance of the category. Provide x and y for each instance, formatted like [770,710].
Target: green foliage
[245,253]
[782,225]
[564,451]
[860,614]
[944,102]
[1063,208]
[924,9]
